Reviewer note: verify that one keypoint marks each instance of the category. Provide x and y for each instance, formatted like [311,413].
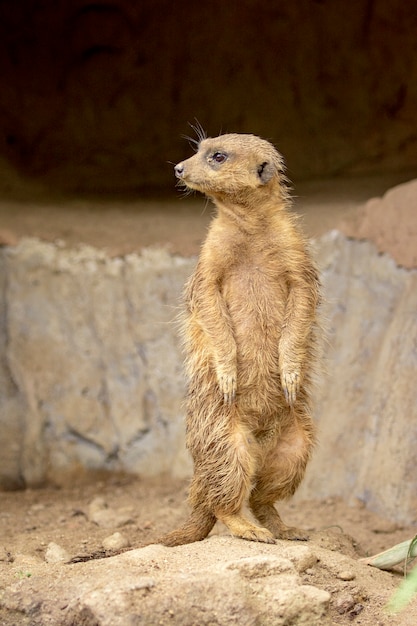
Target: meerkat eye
[219,157]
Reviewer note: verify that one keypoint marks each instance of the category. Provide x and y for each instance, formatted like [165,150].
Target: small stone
[344,603]
[56,554]
[117,541]
[346,575]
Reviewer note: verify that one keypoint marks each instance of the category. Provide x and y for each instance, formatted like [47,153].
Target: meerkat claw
[227,384]
[291,386]
[229,398]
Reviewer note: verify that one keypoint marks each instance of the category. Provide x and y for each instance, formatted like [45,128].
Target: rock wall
[91,370]
[366,403]
[96,95]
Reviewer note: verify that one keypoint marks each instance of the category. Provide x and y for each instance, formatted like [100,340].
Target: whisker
[199,130]
[185,191]
[207,202]
[192,142]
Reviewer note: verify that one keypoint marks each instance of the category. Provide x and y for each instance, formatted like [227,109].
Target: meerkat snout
[179,170]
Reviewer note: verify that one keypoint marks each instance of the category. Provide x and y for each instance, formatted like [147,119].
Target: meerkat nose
[179,170]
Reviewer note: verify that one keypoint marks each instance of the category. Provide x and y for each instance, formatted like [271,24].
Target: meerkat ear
[266,171]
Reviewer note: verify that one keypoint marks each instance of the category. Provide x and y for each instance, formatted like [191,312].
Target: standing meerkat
[249,335]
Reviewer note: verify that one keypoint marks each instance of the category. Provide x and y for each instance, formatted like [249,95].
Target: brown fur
[249,339]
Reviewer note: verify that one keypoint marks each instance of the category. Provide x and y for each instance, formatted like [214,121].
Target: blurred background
[96,95]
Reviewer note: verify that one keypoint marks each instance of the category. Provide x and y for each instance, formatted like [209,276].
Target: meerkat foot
[243,528]
[269,517]
[257,533]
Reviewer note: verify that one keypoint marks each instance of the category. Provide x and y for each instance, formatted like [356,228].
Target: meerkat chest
[255,291]
[264,280]
[251,271]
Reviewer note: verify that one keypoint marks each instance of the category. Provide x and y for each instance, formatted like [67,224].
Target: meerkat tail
[196,528]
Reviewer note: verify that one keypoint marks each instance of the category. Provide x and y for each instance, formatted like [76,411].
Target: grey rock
[365,400]
[92,374]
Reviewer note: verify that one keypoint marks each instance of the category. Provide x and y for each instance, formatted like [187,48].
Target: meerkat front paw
[290,382]
[227,383]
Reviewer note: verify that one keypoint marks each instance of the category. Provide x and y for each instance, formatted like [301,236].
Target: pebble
[117,541]
[346,575]
[56,554]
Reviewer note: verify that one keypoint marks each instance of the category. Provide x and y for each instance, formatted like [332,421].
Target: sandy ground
[144,509]
[141,510]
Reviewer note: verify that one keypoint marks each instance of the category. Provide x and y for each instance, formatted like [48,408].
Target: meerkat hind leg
[281,473]
[233,466]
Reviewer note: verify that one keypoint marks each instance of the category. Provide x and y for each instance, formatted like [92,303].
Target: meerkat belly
[256,302]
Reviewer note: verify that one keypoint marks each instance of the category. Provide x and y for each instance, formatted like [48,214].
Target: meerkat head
[230,165]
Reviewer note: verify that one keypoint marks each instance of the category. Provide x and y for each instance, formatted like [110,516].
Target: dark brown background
[95,95]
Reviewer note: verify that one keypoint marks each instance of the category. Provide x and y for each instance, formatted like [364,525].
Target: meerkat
[249,332]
